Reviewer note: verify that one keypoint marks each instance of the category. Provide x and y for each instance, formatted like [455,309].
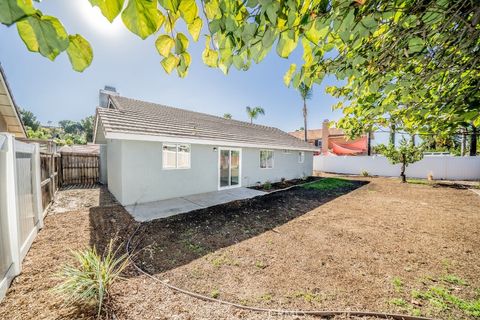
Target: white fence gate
[441,167]
[21,213]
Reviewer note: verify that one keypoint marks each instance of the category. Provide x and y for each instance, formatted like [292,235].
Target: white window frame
[177,146]
[260,159]
[301,156]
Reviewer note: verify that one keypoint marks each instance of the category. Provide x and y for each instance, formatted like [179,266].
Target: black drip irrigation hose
[319,313]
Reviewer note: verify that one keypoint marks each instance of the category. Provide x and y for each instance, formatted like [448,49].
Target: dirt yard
[411,249]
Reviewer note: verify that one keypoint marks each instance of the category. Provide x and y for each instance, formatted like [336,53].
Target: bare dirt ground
[373,249]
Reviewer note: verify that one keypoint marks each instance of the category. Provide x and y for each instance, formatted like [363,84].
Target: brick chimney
[325,134]
[103,95]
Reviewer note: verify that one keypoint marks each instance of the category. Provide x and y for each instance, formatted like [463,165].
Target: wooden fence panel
[79,169]
[49,176]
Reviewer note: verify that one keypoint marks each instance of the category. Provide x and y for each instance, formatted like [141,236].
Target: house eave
[190,140]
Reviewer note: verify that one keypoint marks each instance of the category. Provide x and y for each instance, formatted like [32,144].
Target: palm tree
[253,113]
[306,94]
[227,116]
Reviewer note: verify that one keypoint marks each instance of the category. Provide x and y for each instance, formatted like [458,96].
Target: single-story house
[155,152]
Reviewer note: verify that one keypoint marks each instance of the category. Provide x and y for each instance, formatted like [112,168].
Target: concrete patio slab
[166,208]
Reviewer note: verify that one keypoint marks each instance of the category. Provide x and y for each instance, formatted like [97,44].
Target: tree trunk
[413,140]
[305,119]
[392,134]
[369,143]
[251,120]
[473,142]
[463,145]
[402,174]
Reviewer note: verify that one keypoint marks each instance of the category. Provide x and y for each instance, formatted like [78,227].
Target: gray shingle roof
[130,116]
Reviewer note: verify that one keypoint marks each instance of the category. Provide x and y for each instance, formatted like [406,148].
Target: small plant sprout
[215,293]
[397,284]
[89,280]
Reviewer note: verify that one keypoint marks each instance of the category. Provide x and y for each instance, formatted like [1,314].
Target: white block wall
[441,167]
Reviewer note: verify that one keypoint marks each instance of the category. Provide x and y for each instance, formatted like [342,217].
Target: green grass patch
[443,299]
[328,184]
[418,181]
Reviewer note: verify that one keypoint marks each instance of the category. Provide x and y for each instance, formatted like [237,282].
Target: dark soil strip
[165,244]
[284,184]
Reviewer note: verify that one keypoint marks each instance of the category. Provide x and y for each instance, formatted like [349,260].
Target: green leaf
[369,22]
[164,45]
[171,5]
[13,10]
[287,78]
[272,12]
[209,56]
[169,63]
[238,62]
[181,43]
[79,53]
[318,31]
[109,8]
[183,65]
[188,10]
[195,27]
[44,34]
[142,17]
[268,38]
[212,9]
[415,44]
[286,44]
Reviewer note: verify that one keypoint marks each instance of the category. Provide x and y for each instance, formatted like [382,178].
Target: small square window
[301,157]
[176,156]
[266,159]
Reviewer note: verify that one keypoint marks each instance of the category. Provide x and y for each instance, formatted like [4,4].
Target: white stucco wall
[135,173]
[114,168]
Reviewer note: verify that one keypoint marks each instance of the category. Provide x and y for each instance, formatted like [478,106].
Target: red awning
[355,147]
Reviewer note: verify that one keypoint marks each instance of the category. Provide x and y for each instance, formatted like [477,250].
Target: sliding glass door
[229,168]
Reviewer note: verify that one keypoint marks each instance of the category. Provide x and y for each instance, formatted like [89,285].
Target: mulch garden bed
[269,187]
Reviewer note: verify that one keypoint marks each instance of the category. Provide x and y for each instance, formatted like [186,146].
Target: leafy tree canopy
[29,119]
[412,60]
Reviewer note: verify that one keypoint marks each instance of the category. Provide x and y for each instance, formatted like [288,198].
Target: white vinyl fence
[21,212]
[441,167]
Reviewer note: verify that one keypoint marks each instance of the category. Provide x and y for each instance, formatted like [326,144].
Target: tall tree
[29,119]
[306,94]
[87,126]
[253,113]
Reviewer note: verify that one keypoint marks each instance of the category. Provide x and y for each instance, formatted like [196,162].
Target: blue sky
[53,91]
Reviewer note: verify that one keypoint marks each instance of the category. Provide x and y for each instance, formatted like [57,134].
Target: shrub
[267,185]
[365,173]
[89,281]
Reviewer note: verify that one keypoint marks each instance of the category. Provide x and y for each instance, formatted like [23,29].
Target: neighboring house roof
[89,148]
[132,119]
[10,117]
[315,134]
